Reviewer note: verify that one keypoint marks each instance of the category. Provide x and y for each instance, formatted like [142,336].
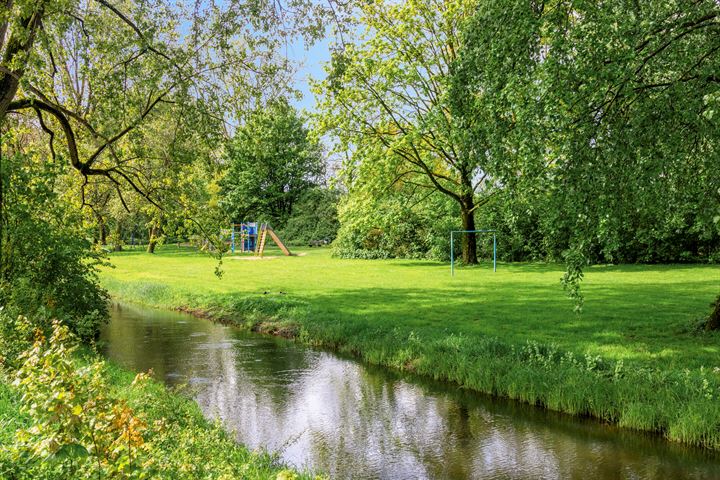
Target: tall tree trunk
[469,240]
[102,230]
[713,321]
[18,48]
[155,233]
[152,242]
[118,239]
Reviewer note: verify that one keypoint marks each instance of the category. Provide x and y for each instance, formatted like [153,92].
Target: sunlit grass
[638,313]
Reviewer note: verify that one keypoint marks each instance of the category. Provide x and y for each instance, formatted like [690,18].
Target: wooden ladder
[261,240]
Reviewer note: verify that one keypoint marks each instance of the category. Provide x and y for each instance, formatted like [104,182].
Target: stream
[330,413]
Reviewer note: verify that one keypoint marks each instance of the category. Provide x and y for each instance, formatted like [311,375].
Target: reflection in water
[336,415]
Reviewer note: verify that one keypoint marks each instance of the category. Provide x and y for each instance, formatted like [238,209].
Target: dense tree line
[559,107]
[583,131]
[112,120]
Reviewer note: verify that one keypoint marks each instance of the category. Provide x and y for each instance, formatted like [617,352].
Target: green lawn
[639,313]
[633,357]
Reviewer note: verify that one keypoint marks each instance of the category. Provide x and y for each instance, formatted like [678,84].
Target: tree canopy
[271,162]
[135,99]
[386,98]
[621,100]
[94,72]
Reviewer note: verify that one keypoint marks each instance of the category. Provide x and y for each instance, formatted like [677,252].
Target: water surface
[336,415]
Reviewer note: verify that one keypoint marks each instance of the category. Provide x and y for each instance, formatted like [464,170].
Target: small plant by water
[64,413]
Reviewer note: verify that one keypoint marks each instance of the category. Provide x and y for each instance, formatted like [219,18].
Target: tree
[625,96]
[47,268]
[314,217]
[271,163]
[93,72]
[133,97]
[639,108]
[386,100]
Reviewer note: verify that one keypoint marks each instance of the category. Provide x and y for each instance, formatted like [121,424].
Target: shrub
[388,227]
[314,217]
[48,268]
[72,416]
[77,430]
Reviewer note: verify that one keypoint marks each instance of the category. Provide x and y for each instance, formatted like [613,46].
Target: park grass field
[634,356]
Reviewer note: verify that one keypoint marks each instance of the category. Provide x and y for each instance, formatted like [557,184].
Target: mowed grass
[643,314]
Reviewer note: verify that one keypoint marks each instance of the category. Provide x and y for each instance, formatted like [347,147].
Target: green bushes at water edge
[66,414]
[48,268]
[682,405]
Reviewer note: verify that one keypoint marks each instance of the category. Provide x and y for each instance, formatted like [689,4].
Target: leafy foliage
[386,101]
[395,226]
[272,162]
[77,430]
[633,125]
[48,269]
[78,417]
[314,217]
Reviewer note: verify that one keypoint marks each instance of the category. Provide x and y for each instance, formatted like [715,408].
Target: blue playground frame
[452,247]
[248,233]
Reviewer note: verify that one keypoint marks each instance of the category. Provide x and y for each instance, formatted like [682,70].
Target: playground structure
[252,237]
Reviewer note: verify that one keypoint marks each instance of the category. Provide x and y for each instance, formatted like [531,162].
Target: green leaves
[386,101]
[272,162]
[76,426]
[48,269]
[70,451]
[609,109]
[575,261]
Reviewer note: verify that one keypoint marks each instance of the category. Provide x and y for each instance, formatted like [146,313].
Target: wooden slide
[264,230]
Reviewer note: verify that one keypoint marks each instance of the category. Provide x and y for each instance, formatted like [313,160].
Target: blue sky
[311,62]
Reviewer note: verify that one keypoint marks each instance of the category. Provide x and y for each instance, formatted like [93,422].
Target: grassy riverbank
[184,444]
[634,357]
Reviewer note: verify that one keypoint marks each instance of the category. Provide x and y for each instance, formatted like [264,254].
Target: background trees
[624,106]
[314,217]
[386,98]
[135,99]
[591,130]
[581,131]
[271,162]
